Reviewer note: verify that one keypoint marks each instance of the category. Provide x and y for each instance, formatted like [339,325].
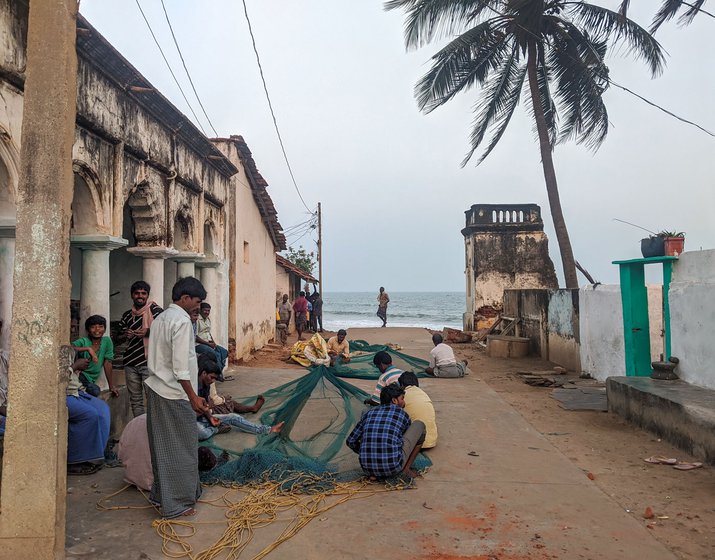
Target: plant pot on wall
[674,246]
[652,247]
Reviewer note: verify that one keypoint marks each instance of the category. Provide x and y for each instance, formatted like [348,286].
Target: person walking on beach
[173,403]
[382,300]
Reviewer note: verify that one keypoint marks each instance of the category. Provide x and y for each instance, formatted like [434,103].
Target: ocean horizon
[434,310]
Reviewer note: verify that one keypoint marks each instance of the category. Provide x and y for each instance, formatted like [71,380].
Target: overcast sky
[388,177]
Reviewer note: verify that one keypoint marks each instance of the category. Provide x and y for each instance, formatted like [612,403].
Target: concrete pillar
[186,263]
[34,479]
[94,290]
[7,265]
[153,269]
[185,268]
[209,278]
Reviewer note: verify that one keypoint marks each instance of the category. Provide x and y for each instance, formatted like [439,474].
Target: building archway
[8,219]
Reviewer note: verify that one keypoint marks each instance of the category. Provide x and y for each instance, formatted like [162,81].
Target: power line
[183,62]
[198,122]
[607,78]
[270,105]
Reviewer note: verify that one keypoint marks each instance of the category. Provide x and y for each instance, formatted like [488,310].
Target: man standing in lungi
[173,403]
[382,300]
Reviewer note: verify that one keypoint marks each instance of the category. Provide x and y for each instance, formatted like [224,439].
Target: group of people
[307,309]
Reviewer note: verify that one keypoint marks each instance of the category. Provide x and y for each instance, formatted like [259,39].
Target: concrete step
[676,411]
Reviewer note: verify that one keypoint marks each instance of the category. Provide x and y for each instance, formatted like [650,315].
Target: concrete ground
[498,490]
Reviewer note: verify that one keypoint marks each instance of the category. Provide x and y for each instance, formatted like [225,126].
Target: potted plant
[673,242]
[653,246]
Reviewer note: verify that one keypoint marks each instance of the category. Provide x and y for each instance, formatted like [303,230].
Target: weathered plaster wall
[692,317]
[601,329]
[254,263]
[563,329]
[549,318]
[502,260]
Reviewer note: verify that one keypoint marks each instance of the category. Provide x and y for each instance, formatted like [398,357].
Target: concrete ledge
[678,412]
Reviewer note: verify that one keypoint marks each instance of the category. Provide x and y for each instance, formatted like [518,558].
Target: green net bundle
[319,410]
[361,366]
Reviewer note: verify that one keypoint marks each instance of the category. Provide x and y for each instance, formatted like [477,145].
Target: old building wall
[505,248]
[144,177]
[254,258]
[601,329]
[692,316]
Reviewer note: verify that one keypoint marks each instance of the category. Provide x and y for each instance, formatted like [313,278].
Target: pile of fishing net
[319,410]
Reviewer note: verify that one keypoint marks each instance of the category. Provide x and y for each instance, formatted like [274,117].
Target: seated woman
[88,429]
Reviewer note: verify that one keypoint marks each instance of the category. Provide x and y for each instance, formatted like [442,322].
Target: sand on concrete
[499,488]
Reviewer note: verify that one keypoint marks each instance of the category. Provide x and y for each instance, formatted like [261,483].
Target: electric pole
[320,249]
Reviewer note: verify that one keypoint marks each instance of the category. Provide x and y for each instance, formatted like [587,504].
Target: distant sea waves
[433,310]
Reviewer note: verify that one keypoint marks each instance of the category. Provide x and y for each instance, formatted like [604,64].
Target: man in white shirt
[205,341]
[442,362]
[173,403]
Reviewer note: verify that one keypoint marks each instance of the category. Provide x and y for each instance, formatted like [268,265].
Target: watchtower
[505,248]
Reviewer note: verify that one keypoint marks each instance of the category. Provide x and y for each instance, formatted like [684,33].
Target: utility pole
[320,249]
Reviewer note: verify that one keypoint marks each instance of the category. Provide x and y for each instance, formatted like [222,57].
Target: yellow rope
[261,504]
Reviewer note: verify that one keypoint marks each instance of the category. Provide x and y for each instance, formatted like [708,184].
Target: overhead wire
[608,79]
[183,62]
[270,105]
[196,118]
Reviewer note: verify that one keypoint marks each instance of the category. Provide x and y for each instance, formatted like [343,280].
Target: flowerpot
[652,247]
[674,246]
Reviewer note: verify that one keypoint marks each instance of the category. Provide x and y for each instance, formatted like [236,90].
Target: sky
[389,178]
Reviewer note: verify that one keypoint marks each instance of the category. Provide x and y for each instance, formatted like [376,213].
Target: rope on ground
[262,504]
[310,495]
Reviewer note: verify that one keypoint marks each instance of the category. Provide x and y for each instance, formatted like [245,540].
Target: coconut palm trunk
[547,162]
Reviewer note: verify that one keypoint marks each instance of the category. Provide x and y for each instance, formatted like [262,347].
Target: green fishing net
[361,366]
[319,410]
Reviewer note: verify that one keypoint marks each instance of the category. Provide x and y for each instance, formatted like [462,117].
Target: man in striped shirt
[385,439]
[388,374]
[135,325]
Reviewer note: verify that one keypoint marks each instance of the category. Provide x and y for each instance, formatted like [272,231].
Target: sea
[434,310]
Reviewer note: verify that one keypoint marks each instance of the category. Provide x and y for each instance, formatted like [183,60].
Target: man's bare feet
[260,400]
[277,428]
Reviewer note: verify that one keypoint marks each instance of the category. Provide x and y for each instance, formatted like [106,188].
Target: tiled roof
[290,267]
[260,193]
[94,48]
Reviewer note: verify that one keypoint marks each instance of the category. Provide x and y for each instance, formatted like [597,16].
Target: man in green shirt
[99,350]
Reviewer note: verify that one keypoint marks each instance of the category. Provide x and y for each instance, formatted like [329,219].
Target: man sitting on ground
[339,348]
[385,438]
[418,406]
[135,455]
[442,362]
[205,340]
[224,404]
[211,424]
[99,350]
[388,374]
[88,428]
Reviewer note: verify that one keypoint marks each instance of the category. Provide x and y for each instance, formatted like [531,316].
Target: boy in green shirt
[99,350]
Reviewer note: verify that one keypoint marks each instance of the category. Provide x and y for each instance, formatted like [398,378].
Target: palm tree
[669,9]
[557,47]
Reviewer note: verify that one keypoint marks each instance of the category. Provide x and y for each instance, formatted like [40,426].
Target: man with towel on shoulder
[135,325]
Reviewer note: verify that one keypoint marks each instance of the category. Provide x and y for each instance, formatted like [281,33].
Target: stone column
[34,474]
[209,278]
[7,266]
[186,261]
[94,290]
[153,269]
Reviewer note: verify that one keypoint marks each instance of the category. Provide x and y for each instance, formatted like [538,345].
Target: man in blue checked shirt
[385,438]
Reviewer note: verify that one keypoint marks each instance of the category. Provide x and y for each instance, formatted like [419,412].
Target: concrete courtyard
[498,490]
